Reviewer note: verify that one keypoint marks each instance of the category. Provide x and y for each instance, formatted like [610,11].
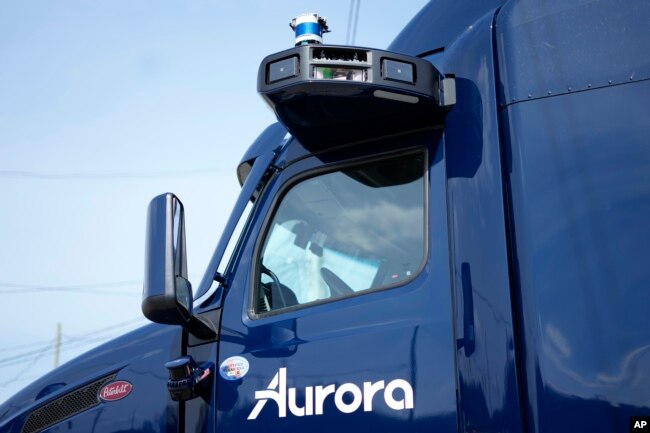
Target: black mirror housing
[167,293]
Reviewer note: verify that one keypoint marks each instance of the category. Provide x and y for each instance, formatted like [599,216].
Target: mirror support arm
[202,328]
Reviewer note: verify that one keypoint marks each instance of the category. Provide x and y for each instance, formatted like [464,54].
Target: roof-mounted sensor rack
[330,95]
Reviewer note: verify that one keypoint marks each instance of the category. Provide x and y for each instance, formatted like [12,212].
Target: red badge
[115,390]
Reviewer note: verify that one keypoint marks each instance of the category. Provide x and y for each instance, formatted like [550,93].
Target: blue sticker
[234,368]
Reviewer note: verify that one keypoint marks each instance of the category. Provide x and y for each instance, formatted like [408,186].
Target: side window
[333,235]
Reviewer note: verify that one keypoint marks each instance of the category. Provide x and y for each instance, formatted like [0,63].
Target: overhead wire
[353,21]
[92,289]
[72,342]
[112,327]
[26,368]
[348,32]
[22,346]
[107,175]
[36,355]
[9,287]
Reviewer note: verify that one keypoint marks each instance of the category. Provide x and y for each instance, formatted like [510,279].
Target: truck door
[339,310]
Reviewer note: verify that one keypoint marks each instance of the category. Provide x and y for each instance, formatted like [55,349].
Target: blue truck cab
[452,235]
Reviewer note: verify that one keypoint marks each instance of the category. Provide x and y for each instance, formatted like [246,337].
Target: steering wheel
[337,286]
[275,282]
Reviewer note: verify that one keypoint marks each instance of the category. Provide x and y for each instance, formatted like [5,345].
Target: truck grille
[70,404]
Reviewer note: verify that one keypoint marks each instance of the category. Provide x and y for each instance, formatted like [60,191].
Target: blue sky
[104,105]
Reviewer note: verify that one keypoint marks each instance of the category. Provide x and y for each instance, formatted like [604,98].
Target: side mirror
[167,293]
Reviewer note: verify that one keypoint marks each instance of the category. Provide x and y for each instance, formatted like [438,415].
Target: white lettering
[357,398]
[406,402]
[119,389]
[279,397]
[321,394]
[309,401]
[369,391]
[315,396]
[308,409]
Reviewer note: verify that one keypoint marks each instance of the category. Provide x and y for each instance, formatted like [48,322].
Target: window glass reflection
[339,233]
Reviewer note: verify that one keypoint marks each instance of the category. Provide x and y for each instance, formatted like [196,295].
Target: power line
[10,360]
[22,346]
[9,287]
[347,33]
[353,20]
[48,348]
[72,342]
[26,174]
[94,333]
[25,369]
[92,289]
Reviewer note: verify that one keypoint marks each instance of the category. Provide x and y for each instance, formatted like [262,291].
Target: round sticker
[234,368]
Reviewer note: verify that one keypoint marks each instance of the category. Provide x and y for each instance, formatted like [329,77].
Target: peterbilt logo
[315,396]
[115,390]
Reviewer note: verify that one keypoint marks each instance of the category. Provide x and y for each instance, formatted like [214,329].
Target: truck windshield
[344,232]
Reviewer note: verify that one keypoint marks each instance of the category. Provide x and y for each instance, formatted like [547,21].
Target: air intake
[64,407]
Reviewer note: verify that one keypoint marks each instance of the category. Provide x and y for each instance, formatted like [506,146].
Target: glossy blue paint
[580,204]
[530,314]
[439,24]
[404,332]
[270,139]
[487,372]
[577,178]
[558,46]
[137,357]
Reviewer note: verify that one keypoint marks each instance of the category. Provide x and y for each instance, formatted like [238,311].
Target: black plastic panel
[65,406]
[337,95]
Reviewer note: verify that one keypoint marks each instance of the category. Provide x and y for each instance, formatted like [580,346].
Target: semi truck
[450,235]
